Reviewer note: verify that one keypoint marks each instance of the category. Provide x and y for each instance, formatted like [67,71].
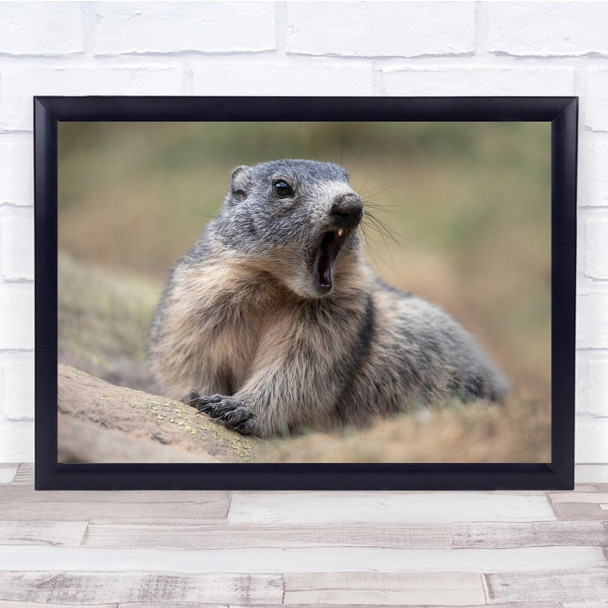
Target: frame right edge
[564,137]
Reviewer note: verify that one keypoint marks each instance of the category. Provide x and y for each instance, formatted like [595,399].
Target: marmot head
[297,219]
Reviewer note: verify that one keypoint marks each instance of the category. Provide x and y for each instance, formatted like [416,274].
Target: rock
[101,422]
[103,320]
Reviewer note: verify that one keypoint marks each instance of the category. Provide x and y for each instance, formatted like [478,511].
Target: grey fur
[268,328]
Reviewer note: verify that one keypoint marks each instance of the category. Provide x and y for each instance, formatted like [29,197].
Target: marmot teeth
[340,231]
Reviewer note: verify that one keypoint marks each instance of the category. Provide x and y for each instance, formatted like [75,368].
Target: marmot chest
[231,321]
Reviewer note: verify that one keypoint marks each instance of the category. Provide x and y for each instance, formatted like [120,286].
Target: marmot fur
[274,321]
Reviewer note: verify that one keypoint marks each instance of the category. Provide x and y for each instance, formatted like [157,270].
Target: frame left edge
[45,293]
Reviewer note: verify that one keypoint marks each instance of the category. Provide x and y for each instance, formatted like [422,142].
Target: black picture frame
[561,112]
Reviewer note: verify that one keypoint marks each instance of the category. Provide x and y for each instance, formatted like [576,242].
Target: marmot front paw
[231,411]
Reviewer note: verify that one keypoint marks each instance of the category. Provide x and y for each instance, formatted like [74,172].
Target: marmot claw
[229,410]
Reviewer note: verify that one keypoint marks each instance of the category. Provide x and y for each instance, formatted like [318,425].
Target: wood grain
[186,549]
[331,559]
[579,497]
[397,603]
[297,508]
[21,502]
[374,588]
[243,536]
[402,605]
[580,511]
[10,604]
[568,585]
[114,587]
[54,533]
[533,534]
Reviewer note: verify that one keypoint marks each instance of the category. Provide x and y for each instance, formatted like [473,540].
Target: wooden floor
[178,549]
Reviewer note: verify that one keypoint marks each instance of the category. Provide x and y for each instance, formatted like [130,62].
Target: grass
[518,431]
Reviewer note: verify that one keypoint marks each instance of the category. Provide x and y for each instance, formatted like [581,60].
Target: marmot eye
[282,188]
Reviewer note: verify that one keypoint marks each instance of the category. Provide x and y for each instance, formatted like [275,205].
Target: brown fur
[246,331]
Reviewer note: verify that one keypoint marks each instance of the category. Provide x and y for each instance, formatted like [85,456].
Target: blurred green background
[461,213]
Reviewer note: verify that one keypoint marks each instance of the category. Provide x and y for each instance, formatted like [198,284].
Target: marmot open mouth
[329,247]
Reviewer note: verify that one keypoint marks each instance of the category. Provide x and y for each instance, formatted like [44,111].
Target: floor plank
[583,511]
[114,587]
[341,605]
[330,559]
[296,508]
[533,534]
[243,536]
[113,549]
[21,502]
[579,497]
[10,604]
[55,533]
[567,585]
[585,605]
[399,603]
[373,588]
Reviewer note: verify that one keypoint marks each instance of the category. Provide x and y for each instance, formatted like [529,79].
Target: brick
[16,316]
[380,29]
[593,173]
[591,444]
[269,79]
[17,243]
[16,169]
[17,442]
[592,386]
[596,117]
[18,386]
[478,81]
[590,473]
[208,27]
[592,320]
[41,28]
[21,83]
[548,28]
[596,241]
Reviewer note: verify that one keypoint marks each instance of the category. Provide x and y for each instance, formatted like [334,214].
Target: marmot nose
[347,210]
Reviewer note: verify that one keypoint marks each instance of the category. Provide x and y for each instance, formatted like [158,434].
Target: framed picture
[305,293]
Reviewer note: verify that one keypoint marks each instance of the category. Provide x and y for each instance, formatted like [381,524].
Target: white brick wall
[297,48]
[268,78]
[479,80]
[206,27]
[43,29]
[17,244]
[596,115]
[544,29]
[21,80]
[380,29]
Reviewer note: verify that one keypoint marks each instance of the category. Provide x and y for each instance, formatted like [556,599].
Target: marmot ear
[240,184]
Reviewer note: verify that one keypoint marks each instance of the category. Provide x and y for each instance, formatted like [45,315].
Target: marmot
[273,320]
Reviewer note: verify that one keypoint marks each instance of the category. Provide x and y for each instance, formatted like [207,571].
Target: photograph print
[304,292]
